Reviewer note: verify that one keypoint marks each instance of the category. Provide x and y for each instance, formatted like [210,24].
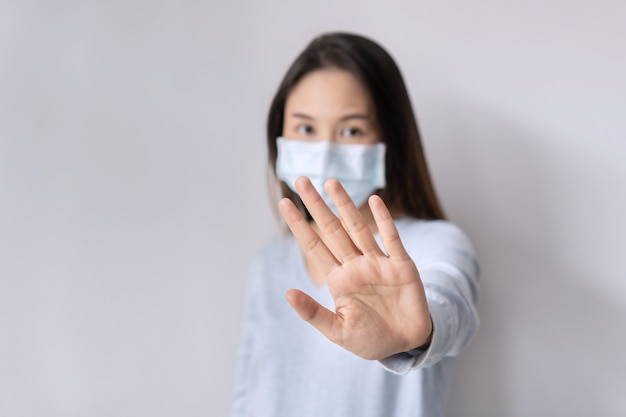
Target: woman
[382,275]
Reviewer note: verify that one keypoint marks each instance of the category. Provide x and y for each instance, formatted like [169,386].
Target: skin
[380,305]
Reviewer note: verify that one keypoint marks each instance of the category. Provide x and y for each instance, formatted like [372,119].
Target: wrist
[426,344]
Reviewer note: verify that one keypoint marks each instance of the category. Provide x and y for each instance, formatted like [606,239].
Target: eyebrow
[343,119]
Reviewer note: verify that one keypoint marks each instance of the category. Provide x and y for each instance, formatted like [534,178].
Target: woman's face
[330,104]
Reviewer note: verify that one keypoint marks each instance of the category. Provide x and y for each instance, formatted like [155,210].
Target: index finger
[331,229]
[309,241]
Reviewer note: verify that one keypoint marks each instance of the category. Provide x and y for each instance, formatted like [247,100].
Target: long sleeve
[286,368]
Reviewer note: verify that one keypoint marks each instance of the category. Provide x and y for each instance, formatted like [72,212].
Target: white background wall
[133,192]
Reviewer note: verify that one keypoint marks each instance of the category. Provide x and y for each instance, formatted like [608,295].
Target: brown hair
[409,188]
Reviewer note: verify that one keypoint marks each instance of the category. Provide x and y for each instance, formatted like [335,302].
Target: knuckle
[331,226]
[312,243]
[358,226]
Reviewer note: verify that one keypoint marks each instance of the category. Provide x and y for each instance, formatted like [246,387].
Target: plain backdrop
[133,192]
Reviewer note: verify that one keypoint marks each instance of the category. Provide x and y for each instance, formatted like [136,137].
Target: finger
[311,244]
[331,229]
[353,220]
[314,313]
[387,229]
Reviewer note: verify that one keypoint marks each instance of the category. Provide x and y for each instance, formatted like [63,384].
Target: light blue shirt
[288,369]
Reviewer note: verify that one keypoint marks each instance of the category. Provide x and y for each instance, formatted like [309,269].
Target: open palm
[380,305]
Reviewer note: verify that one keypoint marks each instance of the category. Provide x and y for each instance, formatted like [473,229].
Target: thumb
[313,312]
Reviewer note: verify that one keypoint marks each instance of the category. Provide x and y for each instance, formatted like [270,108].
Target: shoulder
[278,250]
[272,271]
[433,234]
[272,261]
[438,244]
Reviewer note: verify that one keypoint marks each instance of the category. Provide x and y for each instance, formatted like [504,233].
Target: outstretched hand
[380,305]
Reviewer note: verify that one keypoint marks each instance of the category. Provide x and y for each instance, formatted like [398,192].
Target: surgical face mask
[359,168]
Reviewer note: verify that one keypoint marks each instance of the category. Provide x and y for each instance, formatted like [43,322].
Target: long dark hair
[409,188]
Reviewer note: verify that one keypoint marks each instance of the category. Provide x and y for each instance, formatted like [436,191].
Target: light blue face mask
[359,168]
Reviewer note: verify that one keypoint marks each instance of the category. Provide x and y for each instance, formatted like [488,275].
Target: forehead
[329,91]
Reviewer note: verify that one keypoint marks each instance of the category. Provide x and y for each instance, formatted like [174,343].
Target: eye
[349,132]
[304,129]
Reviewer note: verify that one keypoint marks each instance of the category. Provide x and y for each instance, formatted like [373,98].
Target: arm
[450,274]
[380,302]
